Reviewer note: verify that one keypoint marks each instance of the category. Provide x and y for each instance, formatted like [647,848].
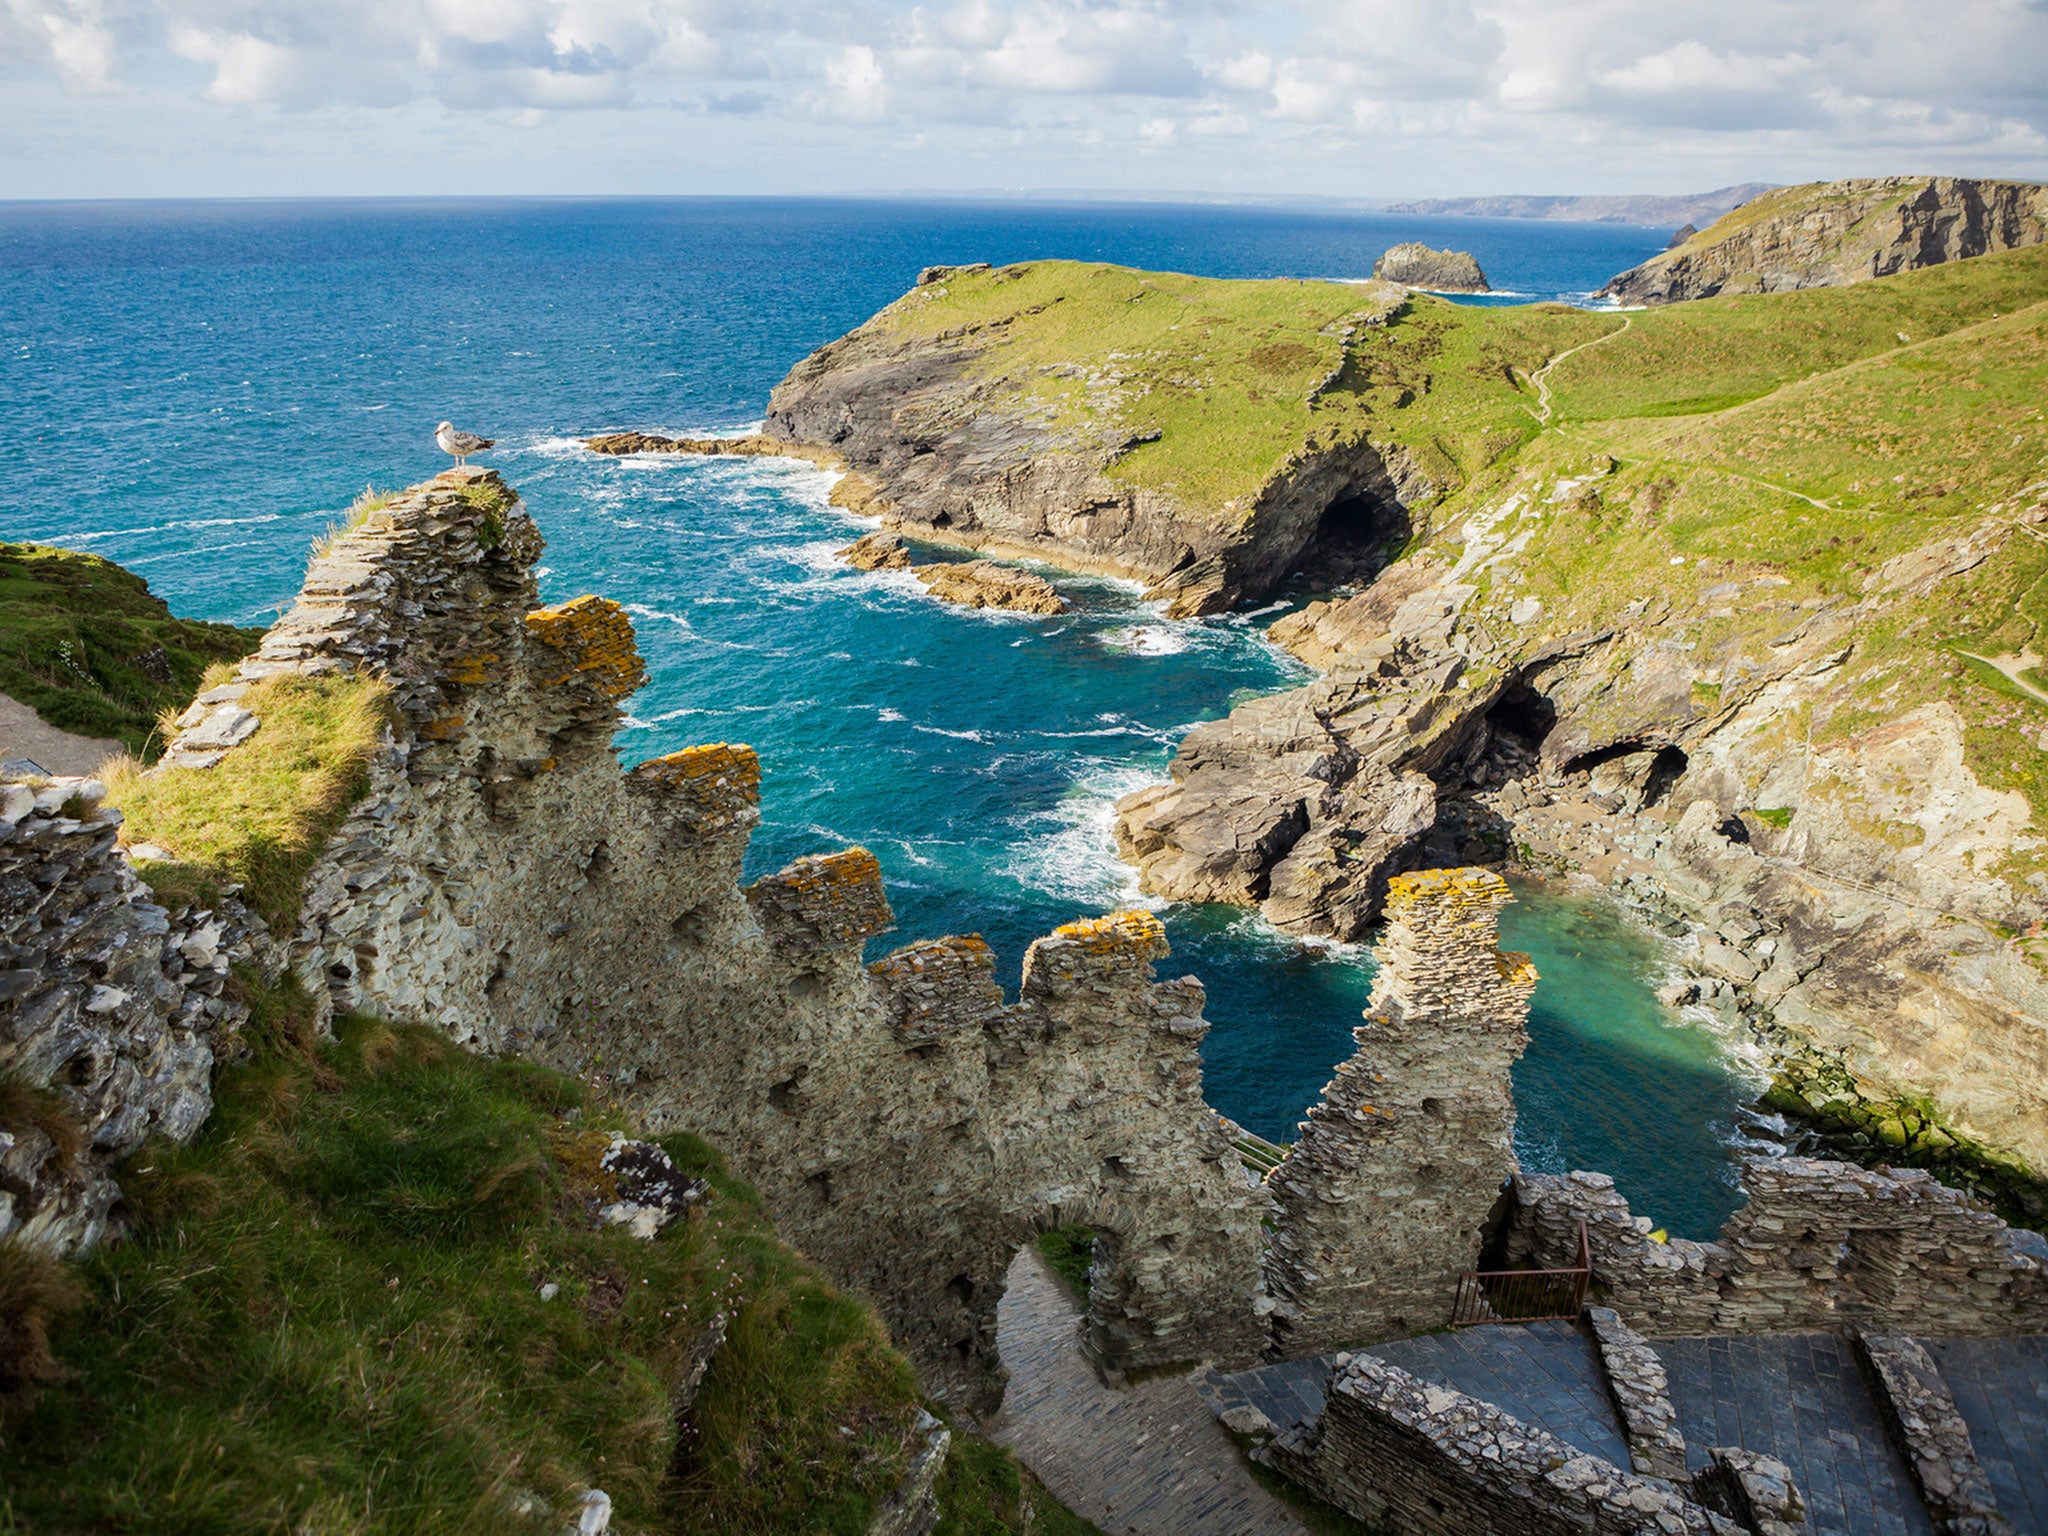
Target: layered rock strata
[1841,893]
[946,447]
[1384,1198]
[1825,234]
[112,1011]
[1415,265]
[1818,1246]
[908,1125]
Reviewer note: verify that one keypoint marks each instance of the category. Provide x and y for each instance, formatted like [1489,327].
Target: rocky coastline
[1826,234]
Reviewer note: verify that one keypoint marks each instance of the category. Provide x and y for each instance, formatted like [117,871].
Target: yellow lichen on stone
[1453,888]
[969,948]
[1517,969]
[713,766]
[472,671]
[596,637]
[447,728]
[1128,932]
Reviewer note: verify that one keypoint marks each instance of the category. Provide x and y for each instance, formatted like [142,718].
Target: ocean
[197,390]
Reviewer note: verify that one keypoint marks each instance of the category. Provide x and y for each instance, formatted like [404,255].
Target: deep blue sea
[197,389]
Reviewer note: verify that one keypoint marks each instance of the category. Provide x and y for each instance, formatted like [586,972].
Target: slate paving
[1801,1398]
[1546,1374]
[2001,1389]
[1148,1460]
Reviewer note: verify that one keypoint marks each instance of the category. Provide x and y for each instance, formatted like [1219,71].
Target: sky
[1345,99]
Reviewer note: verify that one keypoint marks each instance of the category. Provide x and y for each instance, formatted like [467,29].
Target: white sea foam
[1074,858]
[940,730]
[887,716]
[180,525]
[1146,640]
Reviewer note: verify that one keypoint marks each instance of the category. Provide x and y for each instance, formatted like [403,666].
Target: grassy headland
[85,645]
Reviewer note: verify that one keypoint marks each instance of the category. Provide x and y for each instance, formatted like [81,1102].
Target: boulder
[1416,265]
[877,551]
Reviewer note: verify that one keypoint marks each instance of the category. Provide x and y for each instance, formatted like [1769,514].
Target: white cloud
[1401,96]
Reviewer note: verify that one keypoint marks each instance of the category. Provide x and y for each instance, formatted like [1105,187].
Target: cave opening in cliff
[1523,716]
[1357,537]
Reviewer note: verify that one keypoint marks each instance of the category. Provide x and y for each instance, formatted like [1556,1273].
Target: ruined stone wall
[1818,1246]
[111,1012]
[908,1126]
[1404,1455]
[1383,1199]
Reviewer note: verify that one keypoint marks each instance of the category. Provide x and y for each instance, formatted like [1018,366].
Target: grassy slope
[1221,371]
[71,626]
[1910,407]
[331,1319]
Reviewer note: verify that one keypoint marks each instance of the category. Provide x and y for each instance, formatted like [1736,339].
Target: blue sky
[1341,98]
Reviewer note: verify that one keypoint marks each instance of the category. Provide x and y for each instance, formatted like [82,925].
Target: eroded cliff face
[955,441]
[1841,876]
[909,1126]
[1829,233]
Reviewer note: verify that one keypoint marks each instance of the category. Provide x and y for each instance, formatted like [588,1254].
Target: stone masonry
[909,1127]
[1819,1246]
[111,1012]
[1383,1200]
[1404,1455]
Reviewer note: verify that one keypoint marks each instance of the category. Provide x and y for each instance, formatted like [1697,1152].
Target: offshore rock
[1415,265]
[877,551]
[984,584]
[1826,234]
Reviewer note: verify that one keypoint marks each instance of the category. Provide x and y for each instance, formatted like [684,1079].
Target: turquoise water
[195,390]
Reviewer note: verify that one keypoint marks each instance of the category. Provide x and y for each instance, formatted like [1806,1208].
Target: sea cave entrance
[1357,537]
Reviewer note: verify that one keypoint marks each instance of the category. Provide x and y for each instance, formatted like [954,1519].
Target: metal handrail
[1523,1295]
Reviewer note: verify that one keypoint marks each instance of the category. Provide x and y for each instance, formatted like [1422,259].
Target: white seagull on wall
[461,444]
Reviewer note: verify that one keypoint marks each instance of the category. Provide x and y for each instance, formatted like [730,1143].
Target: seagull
[461,444]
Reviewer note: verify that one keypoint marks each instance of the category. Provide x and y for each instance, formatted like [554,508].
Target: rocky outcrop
[1456,723]
[953,445]
[112,1011]
[1415,265]
[984,584]
[878,551]
[970,583]
[1829,233]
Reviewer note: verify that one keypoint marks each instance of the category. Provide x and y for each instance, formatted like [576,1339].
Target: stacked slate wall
[1818,1246]
[1383,1200]
[909,1126]
[111,1012]
[1402,1454]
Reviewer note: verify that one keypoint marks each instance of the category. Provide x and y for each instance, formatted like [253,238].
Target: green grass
[330,1320]
[261,816]
[1070,1251]
[73,630]
[983,1491]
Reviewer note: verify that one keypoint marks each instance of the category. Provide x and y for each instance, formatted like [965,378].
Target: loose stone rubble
[1817,1246]
[652,1191]
[111,1011]
[1383,1199]
[1922,1416]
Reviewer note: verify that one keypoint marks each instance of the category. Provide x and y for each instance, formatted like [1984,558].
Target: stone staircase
[1870,1456]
